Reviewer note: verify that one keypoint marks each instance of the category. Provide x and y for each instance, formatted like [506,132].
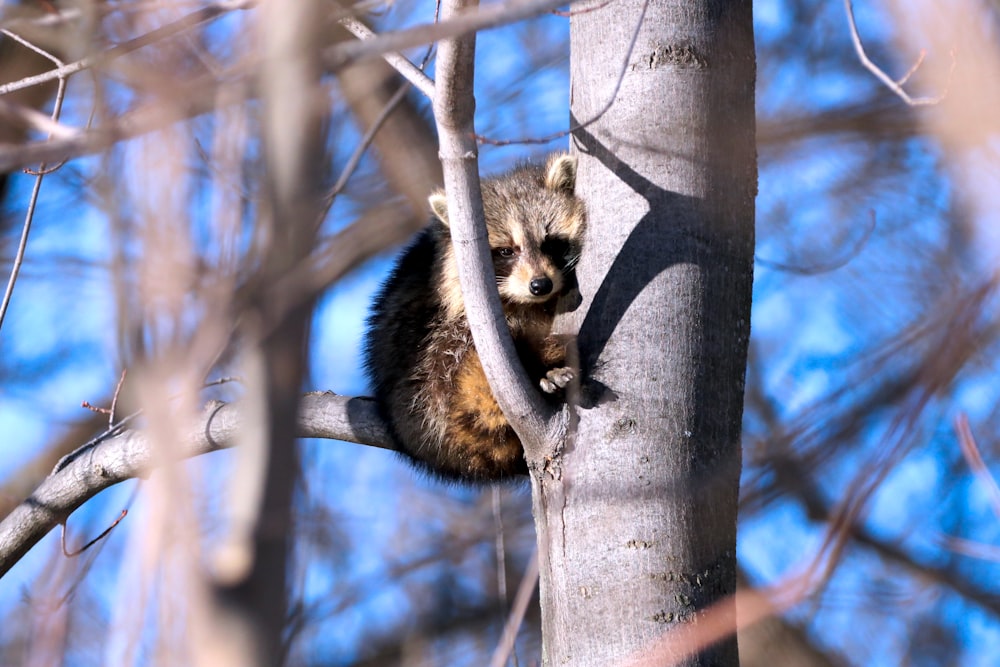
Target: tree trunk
[637,519]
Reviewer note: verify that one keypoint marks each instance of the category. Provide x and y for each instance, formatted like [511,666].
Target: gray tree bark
[637,517]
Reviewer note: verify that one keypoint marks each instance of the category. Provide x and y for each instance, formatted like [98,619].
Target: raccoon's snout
[540,286]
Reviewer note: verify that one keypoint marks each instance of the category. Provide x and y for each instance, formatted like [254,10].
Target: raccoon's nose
[540,286]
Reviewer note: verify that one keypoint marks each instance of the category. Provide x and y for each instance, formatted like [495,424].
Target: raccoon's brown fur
[425,372]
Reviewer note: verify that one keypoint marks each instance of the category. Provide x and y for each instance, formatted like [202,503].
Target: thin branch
[521,600]
[830,266]
[153,36]
[34,120]
[969,548]
[454,25]
[22,244]
[337,56]
[41,122]
[399,62]
[500,548]
[110,412]
[50,19]
[380,227]
[951,354]
[585,10]
[199,95]
[104,533]
[970,450]
[128,455]
[895,86]
[362,147]
[913,68]
[192,98]
[30,46]
[794,473]
[114,399]
[597,116]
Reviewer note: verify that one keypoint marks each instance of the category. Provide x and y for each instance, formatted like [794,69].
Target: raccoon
[427,379]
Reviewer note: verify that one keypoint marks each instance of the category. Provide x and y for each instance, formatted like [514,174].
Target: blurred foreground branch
[200,94]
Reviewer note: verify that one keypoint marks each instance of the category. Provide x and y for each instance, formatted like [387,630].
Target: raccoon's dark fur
[427,379]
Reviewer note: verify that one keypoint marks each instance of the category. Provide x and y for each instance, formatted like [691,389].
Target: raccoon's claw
[556,379]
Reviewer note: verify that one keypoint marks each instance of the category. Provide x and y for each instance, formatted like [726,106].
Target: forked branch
[895,85]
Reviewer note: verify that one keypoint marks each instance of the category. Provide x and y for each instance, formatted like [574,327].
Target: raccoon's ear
[439,204]
[560,173]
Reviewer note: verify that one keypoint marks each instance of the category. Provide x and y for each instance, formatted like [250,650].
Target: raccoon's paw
[556,379]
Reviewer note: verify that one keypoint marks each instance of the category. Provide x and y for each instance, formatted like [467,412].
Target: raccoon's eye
[506,253]
[556,248]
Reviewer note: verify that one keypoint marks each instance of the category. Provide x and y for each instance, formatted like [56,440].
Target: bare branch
[252,593]
[969,548]
[29,118]
[406,146]
[164,32]
[524,591]
[362,147]
[410,72]
[893,85]
[970,450]
[454,108]
[130,455]
[192,99]
[54,128]
[104,533]
[199,96]
[603,110]
[451,26]
[831,265]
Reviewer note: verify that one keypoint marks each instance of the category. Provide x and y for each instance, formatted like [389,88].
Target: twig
[399,62]
[895,86]
[952,353]
[155,115]
[501,552]
[454,25]
[585,10]
[970,450]
[22,245]
[430,47]
[114,402]
[524,591]
[832,265]
[579,126]
[223,380]
[184,23]
[74,554]
[355,159]
[913,68]
[30,46]
[27,117]
[49,20]
[194,100]
[118,427]
[969,548]
[114,398]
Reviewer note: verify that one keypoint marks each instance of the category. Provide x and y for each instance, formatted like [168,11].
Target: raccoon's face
[531,257]
[535,225]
